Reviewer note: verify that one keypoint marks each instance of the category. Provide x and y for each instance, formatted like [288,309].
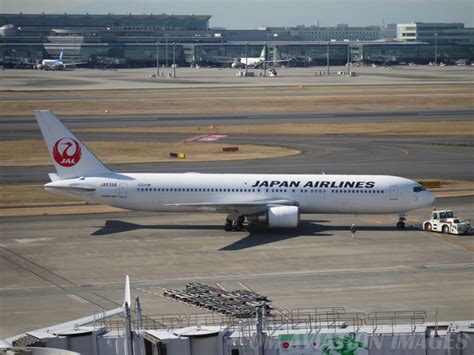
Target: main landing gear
[233,223]
[401,221]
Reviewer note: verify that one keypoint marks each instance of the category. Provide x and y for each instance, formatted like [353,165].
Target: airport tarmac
[94,79]
[58,268]
[62,267]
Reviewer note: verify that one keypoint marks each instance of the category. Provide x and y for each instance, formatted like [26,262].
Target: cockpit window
[418,188]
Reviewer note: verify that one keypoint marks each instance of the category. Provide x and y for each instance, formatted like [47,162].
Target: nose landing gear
[401,221]
[236,224]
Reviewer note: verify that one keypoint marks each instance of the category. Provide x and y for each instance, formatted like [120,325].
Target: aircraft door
[123,190]
[393,192]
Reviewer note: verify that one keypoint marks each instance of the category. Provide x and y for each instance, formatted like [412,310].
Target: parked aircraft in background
[256,62]
[250,61]
[275,200]
[56,64]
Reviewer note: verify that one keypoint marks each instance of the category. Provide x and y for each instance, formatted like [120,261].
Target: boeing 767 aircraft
[275,200]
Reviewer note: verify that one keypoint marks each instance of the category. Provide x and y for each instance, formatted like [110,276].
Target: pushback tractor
[445,221]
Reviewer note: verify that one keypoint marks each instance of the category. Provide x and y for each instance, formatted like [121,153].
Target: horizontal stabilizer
[70,188]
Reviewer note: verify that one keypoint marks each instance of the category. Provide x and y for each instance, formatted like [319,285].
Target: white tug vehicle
[445,221]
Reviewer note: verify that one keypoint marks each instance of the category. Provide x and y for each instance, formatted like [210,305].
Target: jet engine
[278,217]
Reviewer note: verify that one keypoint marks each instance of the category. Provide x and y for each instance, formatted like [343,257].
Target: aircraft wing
[279,61]
[247,207]
[72,64]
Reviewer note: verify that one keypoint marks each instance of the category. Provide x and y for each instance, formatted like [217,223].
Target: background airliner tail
[61,55]
[70,156]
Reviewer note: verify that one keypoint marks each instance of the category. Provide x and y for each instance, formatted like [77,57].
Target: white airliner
[256,62]
[250,61]
[56,64]
[275,200]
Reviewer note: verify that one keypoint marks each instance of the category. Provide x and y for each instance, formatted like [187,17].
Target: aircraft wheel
[400,225]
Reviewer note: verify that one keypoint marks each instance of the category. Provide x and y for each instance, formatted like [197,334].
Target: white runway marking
[31,240]
[78,299]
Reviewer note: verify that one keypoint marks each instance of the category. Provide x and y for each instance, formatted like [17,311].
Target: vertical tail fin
[61,55]
[263,53]
[70,156]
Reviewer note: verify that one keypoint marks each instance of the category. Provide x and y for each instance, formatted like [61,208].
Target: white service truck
[445,221]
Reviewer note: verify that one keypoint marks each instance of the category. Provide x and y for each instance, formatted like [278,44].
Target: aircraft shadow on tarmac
[114,226]
[257,234]
[260,235]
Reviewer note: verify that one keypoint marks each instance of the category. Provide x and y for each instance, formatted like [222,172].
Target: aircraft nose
[429,197]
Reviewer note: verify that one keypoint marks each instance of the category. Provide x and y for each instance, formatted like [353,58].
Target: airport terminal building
[441,33]
[137,40]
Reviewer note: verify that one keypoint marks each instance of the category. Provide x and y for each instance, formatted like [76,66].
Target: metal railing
[307,319]
[394,318]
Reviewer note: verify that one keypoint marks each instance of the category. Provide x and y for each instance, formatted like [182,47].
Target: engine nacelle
[278,217]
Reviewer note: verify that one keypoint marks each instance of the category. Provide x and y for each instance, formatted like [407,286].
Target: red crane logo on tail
[67,152]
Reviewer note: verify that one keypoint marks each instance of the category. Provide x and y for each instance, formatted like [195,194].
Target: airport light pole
[75,52]
[348,58]
[166,50]
[174,60]
[265,60]
[436,49]
[327,57]
[246,57]
[157,59]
